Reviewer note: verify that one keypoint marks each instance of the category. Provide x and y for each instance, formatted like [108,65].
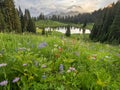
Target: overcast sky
[47,6]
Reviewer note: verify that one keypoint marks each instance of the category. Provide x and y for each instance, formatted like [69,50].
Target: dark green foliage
[84,25]
[68,33]
[114,32]
[2,23]
[17,26]
[107,26]
[21,19]
[43,31]
[41,17]
[11,16]
[28,23]
[12,20]
[31,26]
[80,18]
[97,26]
[26,20]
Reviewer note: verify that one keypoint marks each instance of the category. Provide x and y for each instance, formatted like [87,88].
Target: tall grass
[57,63]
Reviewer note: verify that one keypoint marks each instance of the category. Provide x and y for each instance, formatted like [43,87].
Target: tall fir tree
[68,32]
[26,20]
[114,32]
[17,22]
[97,26]
[29,24]
[13,20]
[2,23]
[22,19]
[107,21]
[11,16]
[43,31]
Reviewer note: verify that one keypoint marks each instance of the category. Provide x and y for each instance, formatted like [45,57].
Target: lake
[72,29]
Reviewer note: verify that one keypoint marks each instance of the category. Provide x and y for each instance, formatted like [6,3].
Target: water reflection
[73,30]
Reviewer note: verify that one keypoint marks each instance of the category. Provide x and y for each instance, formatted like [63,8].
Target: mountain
[56,13]
[75,8]
[71,13]
[72,10]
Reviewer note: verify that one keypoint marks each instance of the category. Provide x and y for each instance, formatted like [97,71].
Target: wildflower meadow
[56,62]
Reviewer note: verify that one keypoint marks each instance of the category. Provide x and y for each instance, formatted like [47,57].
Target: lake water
[72,29]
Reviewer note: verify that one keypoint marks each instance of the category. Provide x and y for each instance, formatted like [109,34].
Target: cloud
[104,3]
[47,6]
[88,5]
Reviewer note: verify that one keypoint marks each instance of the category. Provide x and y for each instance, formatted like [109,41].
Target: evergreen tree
[17,23]
[11,16]
[22,19]
[2,23]
[107,21]
[98,26]
[68,33]
[84,25]
[12,19]
[107,26]
[26,20]
[41,17]
[114,32]
[29,24]
[43,31]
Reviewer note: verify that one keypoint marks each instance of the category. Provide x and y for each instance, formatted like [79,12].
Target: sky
[47,6]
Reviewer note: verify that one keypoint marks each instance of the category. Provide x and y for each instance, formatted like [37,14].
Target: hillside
[52,24]
[40,63]
[48,23]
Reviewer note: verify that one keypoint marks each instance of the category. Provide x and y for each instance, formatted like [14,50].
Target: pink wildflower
[43,66]
[4,83]
[24,65]
[3,65]
[16,80]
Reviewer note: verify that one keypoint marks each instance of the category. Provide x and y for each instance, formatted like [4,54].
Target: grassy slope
[90,26]
[97,65]
[50,23]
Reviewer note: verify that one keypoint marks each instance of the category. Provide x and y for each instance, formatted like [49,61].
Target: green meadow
[49,23]
[56,62]
[53,24]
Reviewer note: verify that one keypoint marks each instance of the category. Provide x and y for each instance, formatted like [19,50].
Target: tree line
[80,18]
[13,20]
[107,25]
[77,19]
